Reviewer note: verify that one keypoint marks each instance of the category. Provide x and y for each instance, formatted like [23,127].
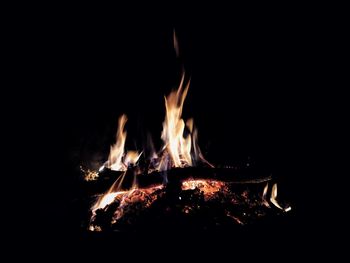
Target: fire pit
[175,186]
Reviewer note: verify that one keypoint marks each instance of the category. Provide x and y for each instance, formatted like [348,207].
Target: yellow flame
[173,127]
[117,150]
[179,151]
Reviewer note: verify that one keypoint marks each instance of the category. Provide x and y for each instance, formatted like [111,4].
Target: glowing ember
[208,187]
[124,199]
[193,198]
[89,175]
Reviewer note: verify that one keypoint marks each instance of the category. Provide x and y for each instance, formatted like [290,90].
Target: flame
[125,198]
[288,209]
[117,150]
[176,44]
[179,151]
[105,200]
[197,151]
[174,125]
[131,157]
[110,195]
[264,195]
[180,143]
[177,148]
[274,201]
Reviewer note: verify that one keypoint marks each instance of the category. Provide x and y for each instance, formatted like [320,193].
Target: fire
[118,160]
[176,145]
[180,149]
[131,158]
[176,44]
[125,198]
[110,195]
[173,128]
[266,188]
[274,201]
[175,153]
[117,150]
[105,200]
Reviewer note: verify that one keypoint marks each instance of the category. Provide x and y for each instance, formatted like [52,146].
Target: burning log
[144,180]
[191,208]
[193,197]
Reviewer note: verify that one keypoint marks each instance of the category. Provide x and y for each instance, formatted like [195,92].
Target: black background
[251,69]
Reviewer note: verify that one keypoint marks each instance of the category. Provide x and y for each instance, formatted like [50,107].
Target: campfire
[176,184]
